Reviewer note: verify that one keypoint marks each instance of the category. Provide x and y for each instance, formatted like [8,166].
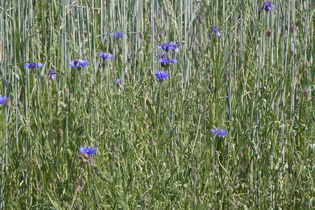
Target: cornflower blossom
[87,150]
[267,6]
[33,65]
[118,82]
[306,91]
[117,35]
[106,56]
[218,132]
[200,18]
[162,55]
[166,62]
[168,46]
[78,63]
[52,74]
[3,100]
[161,75]
[216,32]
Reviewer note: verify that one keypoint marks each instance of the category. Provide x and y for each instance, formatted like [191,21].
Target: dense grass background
[154,148]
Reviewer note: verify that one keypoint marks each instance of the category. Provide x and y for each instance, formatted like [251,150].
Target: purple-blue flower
[306,91]
[215,31]
[106,56]
[3,100]
[173,60]
[118,82]
[33,65]
[78,63]
[165,61]
[52,74]
[161,75]
[161,55]
[218,132]
[267,6]
[117,35]
[168,46]
[87,150]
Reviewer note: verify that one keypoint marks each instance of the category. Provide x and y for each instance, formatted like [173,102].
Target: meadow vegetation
[99,112]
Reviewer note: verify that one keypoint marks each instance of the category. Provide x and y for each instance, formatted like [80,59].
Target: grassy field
[240,68]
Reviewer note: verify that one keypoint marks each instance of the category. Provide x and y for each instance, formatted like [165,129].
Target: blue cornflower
[218,132]
[117,35]
[215,31]
[168,46]
[200,18]
[118,82]
[3,100]
[267,6]
[306,91]
[78,63]
[173,60]
[161,75]
[106,56]
[52,74]
[162,55]
[87,150]
[165,61]
[33,65]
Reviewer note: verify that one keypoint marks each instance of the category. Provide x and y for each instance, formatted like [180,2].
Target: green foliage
[154,146]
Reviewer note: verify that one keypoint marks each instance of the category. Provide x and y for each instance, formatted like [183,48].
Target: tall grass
[154,146]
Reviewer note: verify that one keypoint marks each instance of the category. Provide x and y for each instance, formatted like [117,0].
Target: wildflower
[78,63]
[200,19]
[19,104]
[161,75]
[306,92]
[118,82]
[33,65]
[52,74]
[162,55]
[126,75]
[292,29]
[128,58]
[87,150]
[215,31]
[213,166]
[217,153]
[267,6]
[3,100]
[117,35]
[166,62]
[152,142]
[168,46]
[218,132]
[106,56]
